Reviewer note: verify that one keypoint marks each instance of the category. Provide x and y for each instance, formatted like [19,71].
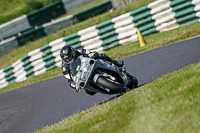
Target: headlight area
[85,71]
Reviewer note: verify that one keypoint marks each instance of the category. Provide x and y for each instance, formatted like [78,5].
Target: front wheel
[90,92]
[114,87]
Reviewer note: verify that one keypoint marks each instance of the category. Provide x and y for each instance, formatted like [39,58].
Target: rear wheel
[113,86]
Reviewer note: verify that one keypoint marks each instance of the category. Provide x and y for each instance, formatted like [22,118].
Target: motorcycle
[100,76]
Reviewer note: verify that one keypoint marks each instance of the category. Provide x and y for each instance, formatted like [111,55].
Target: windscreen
[75,66]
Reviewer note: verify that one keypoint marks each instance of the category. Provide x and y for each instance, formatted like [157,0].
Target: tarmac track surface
[33,107]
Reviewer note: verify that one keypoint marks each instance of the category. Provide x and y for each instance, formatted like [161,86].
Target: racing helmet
[67,54]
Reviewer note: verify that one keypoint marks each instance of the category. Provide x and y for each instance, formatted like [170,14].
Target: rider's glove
[65,70]
[93,55]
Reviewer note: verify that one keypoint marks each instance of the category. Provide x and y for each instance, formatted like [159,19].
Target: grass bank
[15,8]
[168,105]
[153,41]
[87,6]
[11,9]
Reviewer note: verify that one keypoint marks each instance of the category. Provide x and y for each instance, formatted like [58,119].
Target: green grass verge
[168,105]
[11,9]
[87,6]
[153,41]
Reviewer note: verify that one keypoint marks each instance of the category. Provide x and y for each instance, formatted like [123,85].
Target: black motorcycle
[100,76]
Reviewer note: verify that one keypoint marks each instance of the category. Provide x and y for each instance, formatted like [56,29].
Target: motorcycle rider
[68,54]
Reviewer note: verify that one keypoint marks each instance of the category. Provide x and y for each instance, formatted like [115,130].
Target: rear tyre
[114,87]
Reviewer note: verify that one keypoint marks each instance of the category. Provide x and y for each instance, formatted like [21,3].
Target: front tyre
[114,87]
[90,92]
